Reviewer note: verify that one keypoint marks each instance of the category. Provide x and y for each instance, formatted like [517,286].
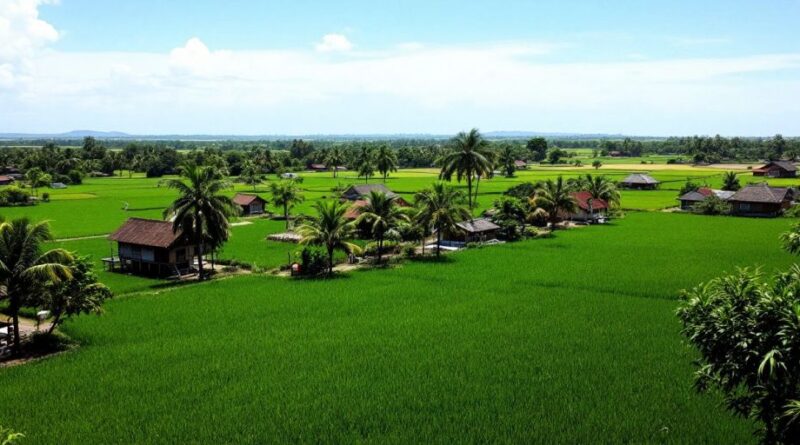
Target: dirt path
[82,238]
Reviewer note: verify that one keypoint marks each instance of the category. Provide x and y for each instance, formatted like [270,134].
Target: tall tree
[507,159]
[200,210]
[381,213]
[386,160]
[335,158]
[250,174]
[365,163]
[81,294]
[24,268]
[330,229]
[554,197]
[286,194]
[35,177]
[468,160]
[440,208]
[600,187]
[538,148]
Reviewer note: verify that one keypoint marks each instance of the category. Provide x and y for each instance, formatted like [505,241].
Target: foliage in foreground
[9,436]
[748,333]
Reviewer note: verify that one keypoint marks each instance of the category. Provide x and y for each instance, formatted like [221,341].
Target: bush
[409,250]
[313,261]
[46,197]
[75,177]
[13,196]
[42,343]
[522,191]
[389,246]
[712,206]
[531,232]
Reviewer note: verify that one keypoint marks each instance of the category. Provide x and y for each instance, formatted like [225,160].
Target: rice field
[564,340]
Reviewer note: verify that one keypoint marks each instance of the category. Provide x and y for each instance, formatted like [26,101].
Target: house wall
[757,208]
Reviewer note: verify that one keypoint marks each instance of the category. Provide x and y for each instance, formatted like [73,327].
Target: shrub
[13,195]
[531,232]
[389,246]
[75,177]
[689,186]
[747,330]
[46,197]
[42,343]
[712,206]
[313,261]
[409,250]
[522,191]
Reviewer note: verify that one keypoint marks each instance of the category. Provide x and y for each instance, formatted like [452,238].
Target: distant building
[150,247]
[354,211]
[761,200]
[250,204]
[362,192]
[6,180]
[289,175]
[520,165]
[318,167]
[689,199]
[777,169]
[58,185]
[478,230]
[640,181]
[588,209]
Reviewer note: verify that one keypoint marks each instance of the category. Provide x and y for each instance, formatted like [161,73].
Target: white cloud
[22,34]
[403,88]
[334,43]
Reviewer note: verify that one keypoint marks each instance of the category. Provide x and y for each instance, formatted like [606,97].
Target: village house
[362,191]
[477,230]
[761,200]
[150,247]
[777,169]
[520,165]
[587,208]
[689,199]
[318,167]
[6,180]
[354,211]
[250,204]
[640,181]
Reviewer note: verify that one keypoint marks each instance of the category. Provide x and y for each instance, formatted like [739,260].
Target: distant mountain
[75,134]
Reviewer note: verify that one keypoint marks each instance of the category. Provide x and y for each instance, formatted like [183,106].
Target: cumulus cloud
[334,43]
[22,34]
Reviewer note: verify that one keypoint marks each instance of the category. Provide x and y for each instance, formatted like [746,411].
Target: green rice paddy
[570,339]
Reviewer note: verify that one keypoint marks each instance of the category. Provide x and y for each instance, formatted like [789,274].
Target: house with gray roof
[777,169]
[478,230]
[640,181]
[761,200]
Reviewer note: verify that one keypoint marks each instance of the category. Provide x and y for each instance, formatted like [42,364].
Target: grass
[564,340]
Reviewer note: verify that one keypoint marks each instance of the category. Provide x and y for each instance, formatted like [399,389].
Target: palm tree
[386,161]
[35,178]
[250,174]
[24,269]
[365,161]
[468,160]
[554,197]
[200,211]
[730,182]
[329,229]
[440,208]
[382,214]
[286,194]
[600,187]
[507,160]
[334,158]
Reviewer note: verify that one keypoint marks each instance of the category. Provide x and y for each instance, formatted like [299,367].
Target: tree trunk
[330,261]
[469,190]
[477,186]
[380,248]
[55,323]
[438,242]
[15,323]
[200,261]
[385,174]
[286,215]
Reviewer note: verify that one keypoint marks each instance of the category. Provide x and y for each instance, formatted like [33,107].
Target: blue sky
[636,67]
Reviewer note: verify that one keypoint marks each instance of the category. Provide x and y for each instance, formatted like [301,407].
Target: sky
[304,67]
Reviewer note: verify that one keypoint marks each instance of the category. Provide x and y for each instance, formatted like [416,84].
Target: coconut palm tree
[201,212]
[467,161]
[381,213]
[329,229]
[554,197]
[250,174]
[507,160]
[730,182]
[334,159]
[440,208]
[600,187]
[24,268]
[386,161]
[365,163]
[286,194]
